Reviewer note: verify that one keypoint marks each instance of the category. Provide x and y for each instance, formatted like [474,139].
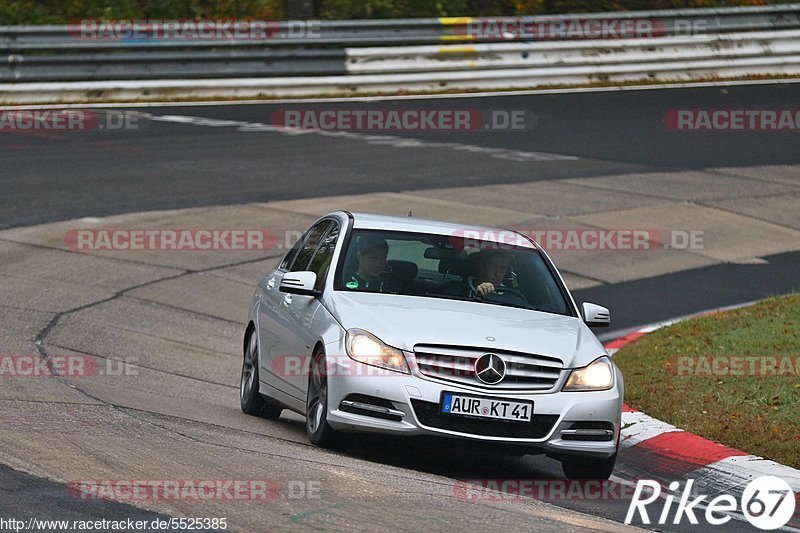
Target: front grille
[523,371]
[428,414]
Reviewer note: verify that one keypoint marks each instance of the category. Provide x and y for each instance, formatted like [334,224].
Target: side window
[291,254]
[309,246]
[321,262]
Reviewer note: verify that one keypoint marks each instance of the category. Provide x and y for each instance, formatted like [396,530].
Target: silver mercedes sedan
[416,327]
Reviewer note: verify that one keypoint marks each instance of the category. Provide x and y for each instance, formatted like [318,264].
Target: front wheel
[252,402]
[585,468]
[317,427]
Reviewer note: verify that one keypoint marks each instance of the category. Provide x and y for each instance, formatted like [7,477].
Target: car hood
[404,321]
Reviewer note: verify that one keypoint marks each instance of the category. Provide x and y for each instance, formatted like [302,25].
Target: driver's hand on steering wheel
[485,288]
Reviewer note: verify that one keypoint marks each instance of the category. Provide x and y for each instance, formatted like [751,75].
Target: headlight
[599,375]
[364,347]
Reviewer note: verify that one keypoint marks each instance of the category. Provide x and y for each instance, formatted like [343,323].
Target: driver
[371,252]
[492,268]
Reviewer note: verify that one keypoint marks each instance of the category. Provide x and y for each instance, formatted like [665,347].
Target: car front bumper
[415,411]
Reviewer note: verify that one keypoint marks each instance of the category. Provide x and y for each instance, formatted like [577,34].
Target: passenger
[371,252]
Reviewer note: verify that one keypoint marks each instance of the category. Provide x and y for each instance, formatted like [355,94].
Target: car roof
[438,227]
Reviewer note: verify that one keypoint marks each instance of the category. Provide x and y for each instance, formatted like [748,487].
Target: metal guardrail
[315,48]
[42,67]
[142,65]
[565,54]
[352,84]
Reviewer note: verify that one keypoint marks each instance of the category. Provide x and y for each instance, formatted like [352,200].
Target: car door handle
[287,300]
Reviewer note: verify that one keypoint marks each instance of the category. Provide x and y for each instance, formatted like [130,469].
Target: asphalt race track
[178,417]
[176,163]
[173,164]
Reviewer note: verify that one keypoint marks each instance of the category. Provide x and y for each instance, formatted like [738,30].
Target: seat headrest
[401,269]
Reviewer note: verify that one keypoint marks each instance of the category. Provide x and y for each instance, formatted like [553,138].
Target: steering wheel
[509,290]
[498,289]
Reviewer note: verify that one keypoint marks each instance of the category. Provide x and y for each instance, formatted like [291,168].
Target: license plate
[460,404]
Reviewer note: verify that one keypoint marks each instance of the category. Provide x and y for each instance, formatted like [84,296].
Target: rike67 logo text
[767,503]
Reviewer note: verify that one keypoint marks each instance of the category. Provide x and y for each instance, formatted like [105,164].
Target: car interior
[424,266]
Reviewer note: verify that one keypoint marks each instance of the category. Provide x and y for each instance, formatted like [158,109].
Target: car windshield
[441,266]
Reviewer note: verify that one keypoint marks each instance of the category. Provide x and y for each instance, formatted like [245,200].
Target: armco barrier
[550,54]
[308,86]
[52,64]
[151,65]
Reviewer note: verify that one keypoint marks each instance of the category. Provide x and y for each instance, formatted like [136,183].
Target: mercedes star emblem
[490,368]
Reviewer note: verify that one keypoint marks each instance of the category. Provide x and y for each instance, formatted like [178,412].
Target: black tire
[251,400]
[317,427]
[585,468]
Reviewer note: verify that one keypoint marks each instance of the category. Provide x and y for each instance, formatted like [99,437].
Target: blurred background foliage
[63,11]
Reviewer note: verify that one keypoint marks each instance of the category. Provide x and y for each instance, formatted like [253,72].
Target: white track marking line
[395,141]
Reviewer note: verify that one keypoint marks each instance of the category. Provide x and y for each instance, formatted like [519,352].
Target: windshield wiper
[506,304]
[477,299]
[450,297]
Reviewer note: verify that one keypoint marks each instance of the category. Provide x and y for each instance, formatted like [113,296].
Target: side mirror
[596,316]
[301,282]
